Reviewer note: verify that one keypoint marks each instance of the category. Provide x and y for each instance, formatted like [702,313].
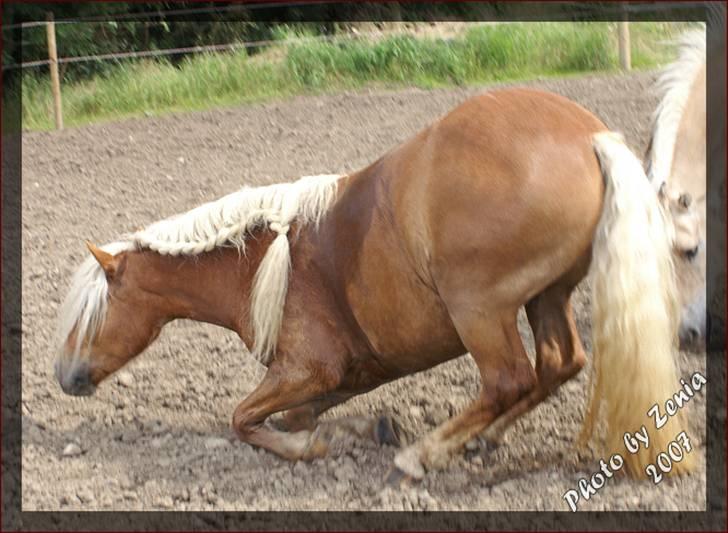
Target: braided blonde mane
[223,222]
[228,220]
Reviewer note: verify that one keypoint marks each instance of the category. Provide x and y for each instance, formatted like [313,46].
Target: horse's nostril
[79,380]
[691,338]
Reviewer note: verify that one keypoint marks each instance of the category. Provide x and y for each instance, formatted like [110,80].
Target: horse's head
[106,319]
[690,264]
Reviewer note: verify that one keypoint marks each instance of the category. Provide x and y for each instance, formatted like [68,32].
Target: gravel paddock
[157,435]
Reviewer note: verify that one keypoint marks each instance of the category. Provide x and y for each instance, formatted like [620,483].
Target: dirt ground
[157,436]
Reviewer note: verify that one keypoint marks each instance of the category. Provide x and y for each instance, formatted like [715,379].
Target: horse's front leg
[381,429]
[281,389]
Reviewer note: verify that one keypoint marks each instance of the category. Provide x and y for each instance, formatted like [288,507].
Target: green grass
[487,53]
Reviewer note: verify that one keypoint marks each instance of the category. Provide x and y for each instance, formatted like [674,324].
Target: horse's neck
[211,287]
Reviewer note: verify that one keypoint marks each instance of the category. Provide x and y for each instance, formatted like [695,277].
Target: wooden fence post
[625,53]
[53,65]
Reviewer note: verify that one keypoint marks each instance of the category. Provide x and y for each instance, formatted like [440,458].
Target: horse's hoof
[387,431]
[493,437]
[399,478]
[492,443]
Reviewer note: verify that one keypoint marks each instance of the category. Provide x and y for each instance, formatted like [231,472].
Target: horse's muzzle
[75,381]
[692,339]
[694,325]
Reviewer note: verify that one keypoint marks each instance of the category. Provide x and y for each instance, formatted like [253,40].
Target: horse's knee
[496,396]
[245,422]
[241,425]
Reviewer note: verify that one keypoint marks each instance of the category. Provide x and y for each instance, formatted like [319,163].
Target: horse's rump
[499,197]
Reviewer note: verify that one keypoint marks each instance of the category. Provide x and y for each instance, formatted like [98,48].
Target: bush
[482,54]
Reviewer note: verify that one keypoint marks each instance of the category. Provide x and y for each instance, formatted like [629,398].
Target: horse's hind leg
[506,377]
[559,352]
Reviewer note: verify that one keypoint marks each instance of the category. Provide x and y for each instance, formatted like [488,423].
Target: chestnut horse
[342,284]
[676,161]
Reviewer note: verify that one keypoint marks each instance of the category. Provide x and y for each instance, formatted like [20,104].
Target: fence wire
[204,48]
[145,17]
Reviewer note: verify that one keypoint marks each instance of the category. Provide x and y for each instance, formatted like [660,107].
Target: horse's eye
[690,254]
[685,200]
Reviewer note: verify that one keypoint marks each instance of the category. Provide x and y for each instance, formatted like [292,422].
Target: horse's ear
[662,190]
[105,259]
[662,195]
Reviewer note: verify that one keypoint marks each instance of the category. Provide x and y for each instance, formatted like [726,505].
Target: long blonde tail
[635,312]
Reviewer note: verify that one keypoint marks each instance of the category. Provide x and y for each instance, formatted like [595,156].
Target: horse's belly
[405,323]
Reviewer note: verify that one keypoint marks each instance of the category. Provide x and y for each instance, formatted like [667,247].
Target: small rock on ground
[72,450]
